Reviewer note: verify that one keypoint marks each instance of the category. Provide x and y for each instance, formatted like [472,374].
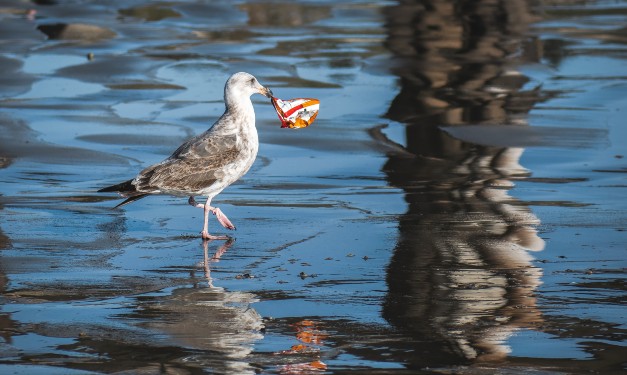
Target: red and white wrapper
[296,113]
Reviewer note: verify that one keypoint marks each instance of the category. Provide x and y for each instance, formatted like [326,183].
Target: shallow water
[458,205]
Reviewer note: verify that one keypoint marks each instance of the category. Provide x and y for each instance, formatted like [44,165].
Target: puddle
[47,64]
[60,88]
[458,205]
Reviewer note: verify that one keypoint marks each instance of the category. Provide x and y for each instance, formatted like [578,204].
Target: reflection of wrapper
[296,113]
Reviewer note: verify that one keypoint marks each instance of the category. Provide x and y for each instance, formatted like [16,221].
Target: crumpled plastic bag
[296,113]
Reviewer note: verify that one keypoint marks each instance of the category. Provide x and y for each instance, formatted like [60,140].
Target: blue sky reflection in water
[458,205]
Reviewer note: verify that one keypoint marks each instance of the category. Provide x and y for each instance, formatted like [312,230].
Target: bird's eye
[252,81]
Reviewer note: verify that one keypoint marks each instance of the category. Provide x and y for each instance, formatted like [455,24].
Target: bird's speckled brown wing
[197,164]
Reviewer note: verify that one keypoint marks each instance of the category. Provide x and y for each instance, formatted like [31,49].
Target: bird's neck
[243,106]
[236,99]
[241,113]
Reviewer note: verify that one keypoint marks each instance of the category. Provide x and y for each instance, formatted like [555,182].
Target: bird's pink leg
[223,219]
[219,215]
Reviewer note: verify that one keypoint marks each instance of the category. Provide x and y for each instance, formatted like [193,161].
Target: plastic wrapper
[296,113]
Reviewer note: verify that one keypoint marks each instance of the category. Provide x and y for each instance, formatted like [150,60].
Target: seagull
[209,162]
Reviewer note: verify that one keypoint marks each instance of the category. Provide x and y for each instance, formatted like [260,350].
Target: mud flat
[457,207]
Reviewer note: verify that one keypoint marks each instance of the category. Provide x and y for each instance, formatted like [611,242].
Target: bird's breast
[247,148]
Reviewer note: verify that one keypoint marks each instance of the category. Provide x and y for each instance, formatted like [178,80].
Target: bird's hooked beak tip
[266,92]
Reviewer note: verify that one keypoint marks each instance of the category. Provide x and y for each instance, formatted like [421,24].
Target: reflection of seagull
[209,162]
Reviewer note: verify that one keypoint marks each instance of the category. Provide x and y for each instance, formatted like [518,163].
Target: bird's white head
[241,86]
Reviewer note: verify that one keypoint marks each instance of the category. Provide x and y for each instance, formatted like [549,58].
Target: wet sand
[457,207]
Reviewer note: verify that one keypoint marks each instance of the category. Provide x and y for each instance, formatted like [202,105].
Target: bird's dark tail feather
[126,189]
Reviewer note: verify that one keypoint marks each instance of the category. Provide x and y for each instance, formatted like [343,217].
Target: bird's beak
[265,92]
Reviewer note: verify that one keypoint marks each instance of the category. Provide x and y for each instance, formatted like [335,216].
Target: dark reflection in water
[7,324]
[460,279]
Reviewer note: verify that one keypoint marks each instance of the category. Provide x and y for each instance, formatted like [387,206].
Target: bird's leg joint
[193,202]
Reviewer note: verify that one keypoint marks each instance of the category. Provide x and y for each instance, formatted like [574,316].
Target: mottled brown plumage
[209,162]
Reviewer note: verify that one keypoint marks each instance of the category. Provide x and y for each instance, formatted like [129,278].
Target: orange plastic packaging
[296,113]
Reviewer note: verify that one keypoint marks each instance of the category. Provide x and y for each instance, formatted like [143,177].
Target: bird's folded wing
[196,167]
[189,174]
[182,176]
[207,144]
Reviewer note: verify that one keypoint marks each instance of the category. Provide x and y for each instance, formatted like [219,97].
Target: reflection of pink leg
[215,258]
[216,211]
